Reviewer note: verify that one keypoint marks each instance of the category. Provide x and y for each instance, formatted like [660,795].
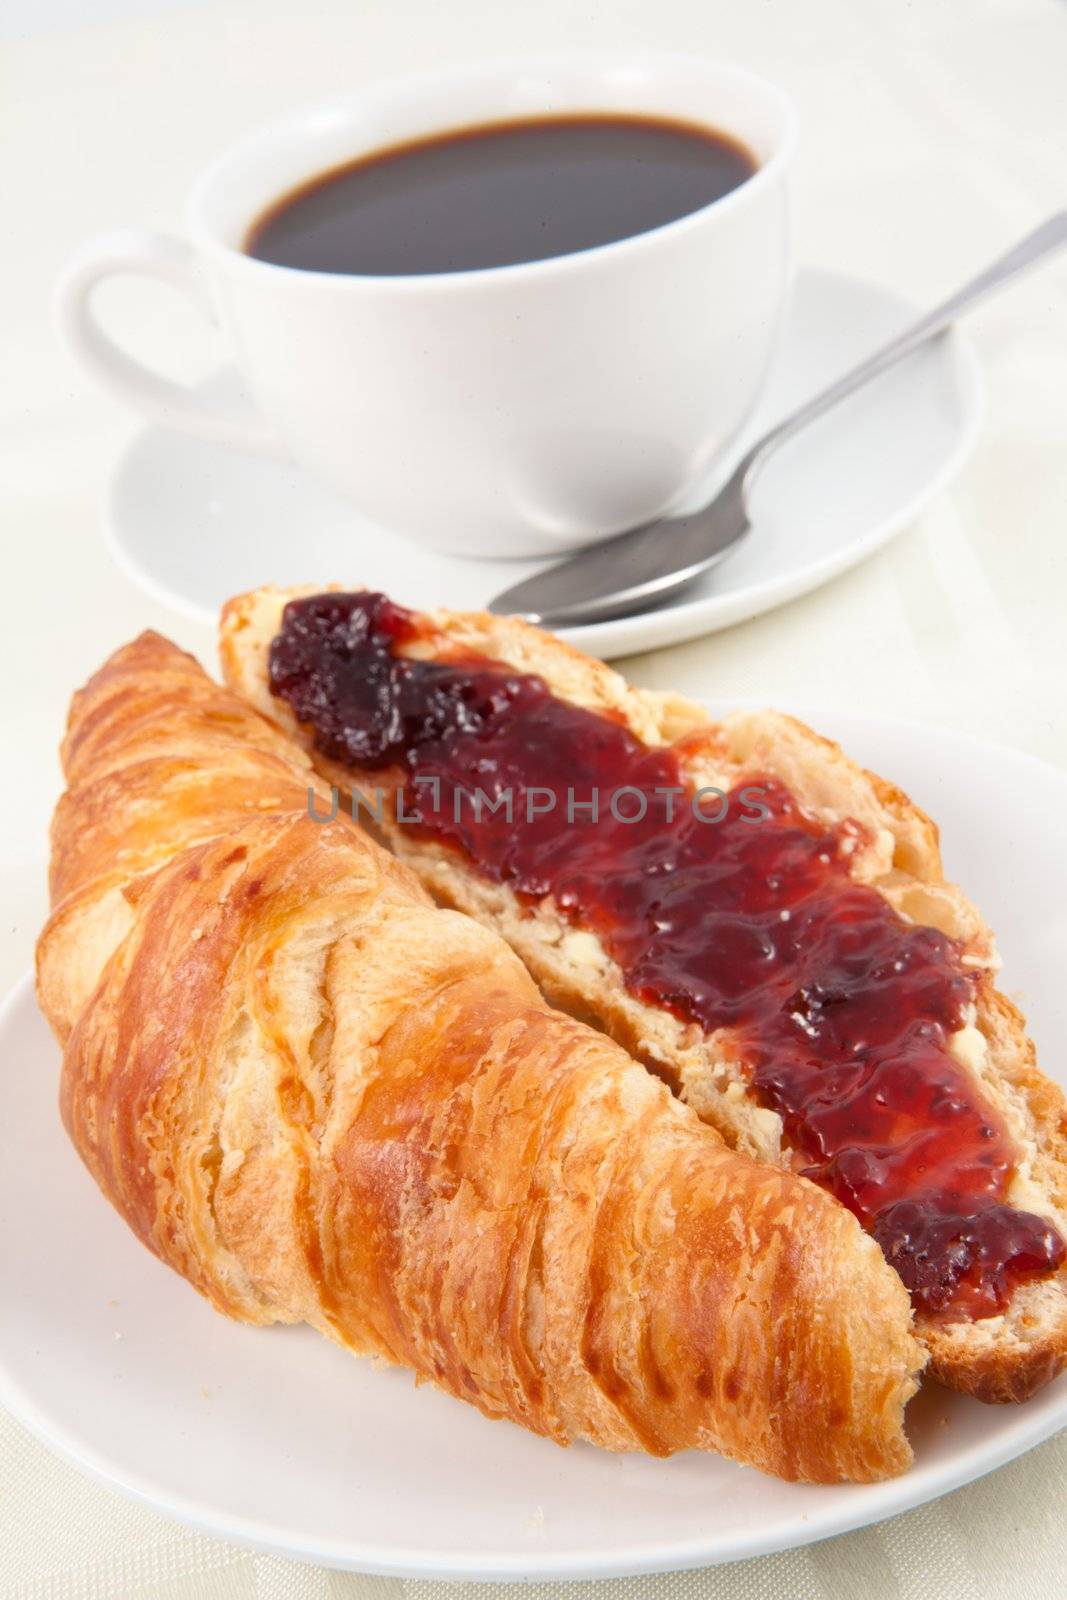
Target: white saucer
[277,1438]
[194,523]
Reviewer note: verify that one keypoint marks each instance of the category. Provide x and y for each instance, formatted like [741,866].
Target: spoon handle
[1043,241]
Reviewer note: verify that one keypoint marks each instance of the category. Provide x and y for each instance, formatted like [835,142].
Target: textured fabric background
[933,135]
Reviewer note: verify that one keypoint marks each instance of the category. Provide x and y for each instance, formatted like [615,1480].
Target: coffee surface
[500,194]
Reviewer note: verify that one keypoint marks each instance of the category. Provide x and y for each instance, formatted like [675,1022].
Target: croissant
[320,1098]
[927,1113]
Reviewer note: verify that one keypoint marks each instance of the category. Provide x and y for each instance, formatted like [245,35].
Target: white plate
[194,523]
[278,1438]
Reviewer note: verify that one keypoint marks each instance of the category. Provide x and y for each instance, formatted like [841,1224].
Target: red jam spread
[734,911]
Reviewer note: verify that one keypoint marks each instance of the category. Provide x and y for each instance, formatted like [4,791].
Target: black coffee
[500,194]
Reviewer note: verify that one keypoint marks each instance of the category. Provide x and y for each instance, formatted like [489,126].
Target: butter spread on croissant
[321,1098]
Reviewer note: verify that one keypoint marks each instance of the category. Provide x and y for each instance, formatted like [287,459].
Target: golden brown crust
[321,1098]
[1002,1358]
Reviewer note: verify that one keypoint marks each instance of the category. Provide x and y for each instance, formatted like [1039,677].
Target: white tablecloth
[934,133]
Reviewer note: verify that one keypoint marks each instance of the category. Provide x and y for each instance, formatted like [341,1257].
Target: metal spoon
[648,565]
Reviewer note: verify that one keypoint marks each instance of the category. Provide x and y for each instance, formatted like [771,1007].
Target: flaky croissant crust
[322,1099]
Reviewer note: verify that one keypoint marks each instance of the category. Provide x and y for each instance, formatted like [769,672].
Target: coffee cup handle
[134,250]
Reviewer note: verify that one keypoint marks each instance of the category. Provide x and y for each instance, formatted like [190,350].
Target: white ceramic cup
[517,410]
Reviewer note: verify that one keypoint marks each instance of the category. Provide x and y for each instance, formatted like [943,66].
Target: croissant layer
[998,1358]
[321,1098]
